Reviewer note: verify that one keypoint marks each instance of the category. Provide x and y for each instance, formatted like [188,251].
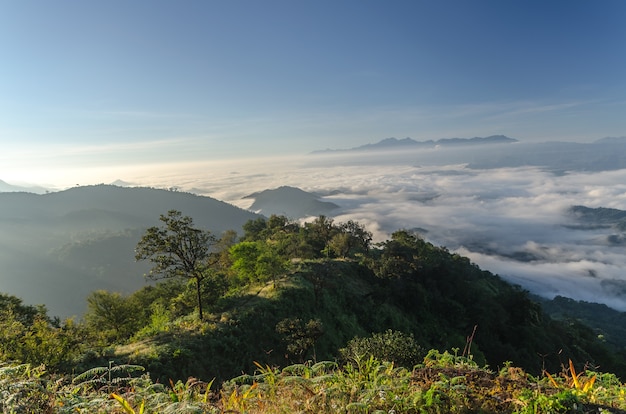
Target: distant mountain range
[604,154]
[290,202]
[394,143]
[59,247]
[6,188]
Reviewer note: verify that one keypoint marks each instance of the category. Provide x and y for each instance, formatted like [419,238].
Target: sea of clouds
[510,221]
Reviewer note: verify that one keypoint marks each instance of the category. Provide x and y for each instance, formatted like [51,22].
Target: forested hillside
[286,293]
[325,284]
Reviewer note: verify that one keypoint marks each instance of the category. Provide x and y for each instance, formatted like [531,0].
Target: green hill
[308,314]
[405,284]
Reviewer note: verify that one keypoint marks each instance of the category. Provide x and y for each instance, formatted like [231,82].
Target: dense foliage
[286,293]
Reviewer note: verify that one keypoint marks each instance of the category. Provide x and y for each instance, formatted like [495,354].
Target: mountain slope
[609,324]
[56,248]
[291,202]
[406,285]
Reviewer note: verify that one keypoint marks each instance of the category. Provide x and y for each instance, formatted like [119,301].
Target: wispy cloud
[125,147]
[50,151]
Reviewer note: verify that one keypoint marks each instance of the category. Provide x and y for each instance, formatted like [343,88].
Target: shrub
[392,346]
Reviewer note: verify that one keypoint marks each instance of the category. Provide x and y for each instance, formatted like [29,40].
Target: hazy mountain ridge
[134,203]
[560,157]
[46,239]
[394,143]
[10,188]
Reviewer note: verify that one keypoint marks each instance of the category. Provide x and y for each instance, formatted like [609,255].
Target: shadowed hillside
[56,248]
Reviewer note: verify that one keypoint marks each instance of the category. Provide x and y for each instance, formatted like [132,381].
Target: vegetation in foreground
[272,303]
[442,383]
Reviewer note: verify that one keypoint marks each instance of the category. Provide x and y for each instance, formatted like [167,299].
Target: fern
[106,376]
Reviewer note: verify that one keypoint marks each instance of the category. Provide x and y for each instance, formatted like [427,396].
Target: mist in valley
[511,219]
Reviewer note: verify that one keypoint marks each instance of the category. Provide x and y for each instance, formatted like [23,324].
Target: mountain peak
[289,201]
[122,183]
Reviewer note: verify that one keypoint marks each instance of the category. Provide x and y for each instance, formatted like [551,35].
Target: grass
[443,383]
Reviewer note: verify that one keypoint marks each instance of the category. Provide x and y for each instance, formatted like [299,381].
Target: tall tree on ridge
[178,249]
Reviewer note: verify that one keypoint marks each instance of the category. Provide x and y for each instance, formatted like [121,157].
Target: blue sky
[115,83]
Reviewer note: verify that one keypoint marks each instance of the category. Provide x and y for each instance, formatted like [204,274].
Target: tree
[319,232]
[352,239]
[270,263]
[23,313]
[222,247]
[111,314]
[255,229]
[28,335]
[257,261]
[244,256]
[178,249]
[392,346]
[299,336]
[399,257]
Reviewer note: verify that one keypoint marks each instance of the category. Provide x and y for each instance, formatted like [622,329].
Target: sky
[95,91]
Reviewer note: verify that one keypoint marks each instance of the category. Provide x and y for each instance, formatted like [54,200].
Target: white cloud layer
[511,221]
